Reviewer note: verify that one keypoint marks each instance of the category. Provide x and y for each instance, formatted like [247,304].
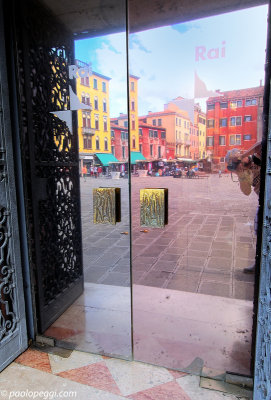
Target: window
[155,134]
[126,135]
[163,135]
[95,83]
[210,123]
[202,120]
[236,104]
[105,124]
[159,122]
[222,140]
[104,87]
[97,122]
[132,86]
[84,120]
[140,132]
[82,81]
[236,121]
[247,118]
[88,121]
[134,142]
[210,107]
[112,133]
[87,142]
[159,151]
[83,97]
[251,102]
[104,106]
[154,122]
[224,104]
[150,133]
[87,81]
[235,140]
[113,150]
[223,122]
[125,124]
[209,141]
[176,121]
[133,105]
[105,144]
[140,148]
[133,125]
[123,151]
[87,101]
[247,137]
[222,159]
[151,149]
[97,143]
[96,105]
[123,135]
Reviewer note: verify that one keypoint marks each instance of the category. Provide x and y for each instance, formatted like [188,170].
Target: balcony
[88,131]
[179,141]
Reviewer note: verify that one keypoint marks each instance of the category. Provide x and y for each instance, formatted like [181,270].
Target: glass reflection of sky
[165,58]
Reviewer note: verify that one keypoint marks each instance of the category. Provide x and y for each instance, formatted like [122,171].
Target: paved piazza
[205,246]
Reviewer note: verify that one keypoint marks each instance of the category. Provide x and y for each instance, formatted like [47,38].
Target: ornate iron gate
[44,51]
[13,336]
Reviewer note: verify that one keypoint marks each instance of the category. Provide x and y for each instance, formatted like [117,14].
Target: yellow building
[122,120]
[201,121]
[93,124]
[134,133]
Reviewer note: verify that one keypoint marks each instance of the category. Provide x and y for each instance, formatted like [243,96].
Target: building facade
[152,141]
[234,120]
[119,142]
[122,119]
[177,125]
[93,124]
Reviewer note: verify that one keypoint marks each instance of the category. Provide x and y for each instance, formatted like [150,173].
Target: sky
[226,51]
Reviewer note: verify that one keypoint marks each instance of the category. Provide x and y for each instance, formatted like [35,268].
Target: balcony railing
[88,131]
[179,141]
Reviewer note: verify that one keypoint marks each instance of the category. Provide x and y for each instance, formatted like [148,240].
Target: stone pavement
[204,248]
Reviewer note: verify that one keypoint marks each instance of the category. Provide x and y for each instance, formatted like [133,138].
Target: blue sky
[164,58]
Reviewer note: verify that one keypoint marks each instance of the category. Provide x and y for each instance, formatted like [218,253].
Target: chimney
[261,82]
[149,112]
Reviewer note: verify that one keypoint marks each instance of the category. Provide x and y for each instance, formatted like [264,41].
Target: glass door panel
[100,320]
[200,100]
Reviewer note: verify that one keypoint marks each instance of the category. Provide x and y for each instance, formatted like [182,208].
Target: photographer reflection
[247,166]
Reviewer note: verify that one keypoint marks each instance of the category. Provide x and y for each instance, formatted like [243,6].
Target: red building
[119,141]
[152,141]
[234,120]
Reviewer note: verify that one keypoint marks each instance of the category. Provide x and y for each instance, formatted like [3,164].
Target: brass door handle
[154,207]
[106,205]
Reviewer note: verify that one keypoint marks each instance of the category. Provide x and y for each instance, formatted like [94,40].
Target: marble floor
[178,330]
[84,376]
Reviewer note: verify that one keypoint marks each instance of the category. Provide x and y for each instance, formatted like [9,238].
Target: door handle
[154,207]
[106,205]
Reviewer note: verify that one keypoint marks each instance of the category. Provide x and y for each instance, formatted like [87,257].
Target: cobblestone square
[208,241]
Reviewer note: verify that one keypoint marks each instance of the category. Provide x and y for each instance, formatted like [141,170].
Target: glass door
[198,95]
[99,321]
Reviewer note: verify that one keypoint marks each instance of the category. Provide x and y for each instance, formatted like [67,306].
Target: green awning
[136,156]
[106,158]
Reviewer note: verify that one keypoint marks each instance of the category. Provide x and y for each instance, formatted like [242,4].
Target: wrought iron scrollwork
[8,318]
[50,158]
